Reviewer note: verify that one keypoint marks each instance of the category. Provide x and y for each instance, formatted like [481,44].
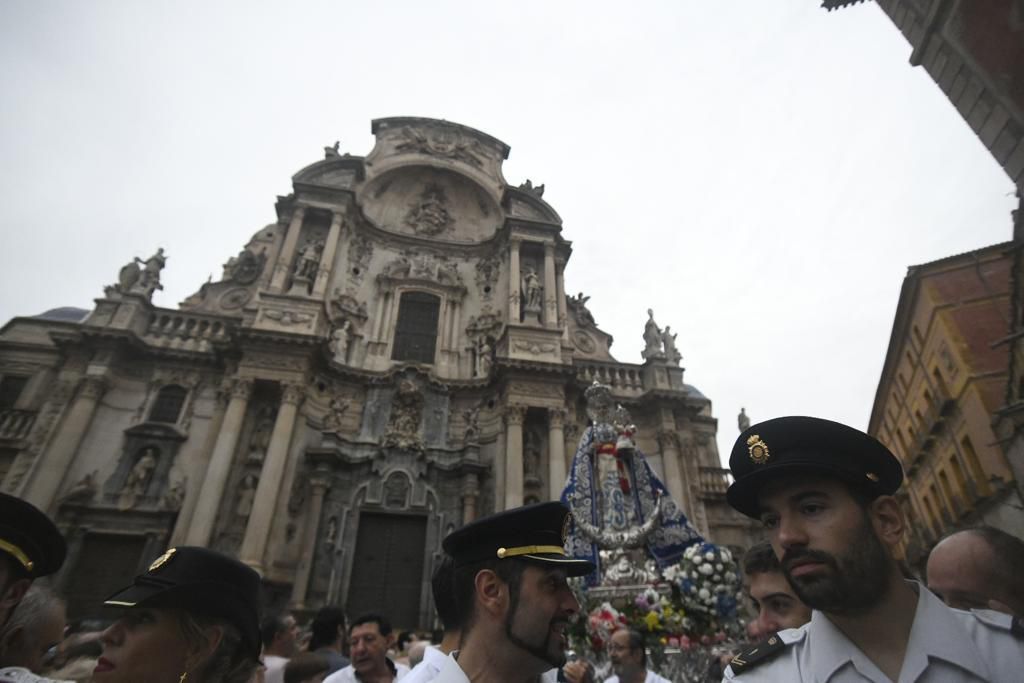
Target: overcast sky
[761,174]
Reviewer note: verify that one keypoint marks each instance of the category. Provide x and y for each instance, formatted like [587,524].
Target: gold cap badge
[758,449]
[162,560]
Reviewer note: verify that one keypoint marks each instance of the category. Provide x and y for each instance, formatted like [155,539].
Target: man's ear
[11,640]
[887,519]
[202,651]
[491,592]
[14,593]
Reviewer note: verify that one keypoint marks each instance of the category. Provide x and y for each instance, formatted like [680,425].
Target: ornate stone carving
[338,345]
[515,414]
[235,298]
[556,417]
[483,357]
[448,274]
[84,490]
[668,440]
[533,291]
[584,342]
[297,498]
[241,389]
[138,478]
[286,317]
[539,389]
[332,151]
[345,307]
[397,268]
[471,417]
[429,215]
[396,491]
[246,496]
[245,268]
[259,441]
[442,142]
[533,347]
[139,277]
[487,270]
[293,393]
[403,429]
[578,307]
[487,324]
[335,413]
[528,186]
[669,340]
[531,457]
[175,495]
[307,261]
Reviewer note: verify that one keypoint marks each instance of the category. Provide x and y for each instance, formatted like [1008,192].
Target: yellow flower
[652,621]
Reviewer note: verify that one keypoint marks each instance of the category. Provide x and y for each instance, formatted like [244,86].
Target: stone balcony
[16,424]
[714,481]
[622,378]
[186,331]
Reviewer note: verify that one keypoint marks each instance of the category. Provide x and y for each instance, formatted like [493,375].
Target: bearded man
[824,493]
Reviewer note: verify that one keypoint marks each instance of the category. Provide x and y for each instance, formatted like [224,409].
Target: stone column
[257,531]
[318,486]
[323,271]
[556,452]
[513,281]
[560,294]
[56,460]
[499,470]
[514,416]
[550,287]
[284,257]
[669,442]
[470,493]
[212,488]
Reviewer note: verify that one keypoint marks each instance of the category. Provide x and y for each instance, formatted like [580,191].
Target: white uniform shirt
[651,678]
[275,668]
[451,672]
[945,646]
[427,670]
[348,674]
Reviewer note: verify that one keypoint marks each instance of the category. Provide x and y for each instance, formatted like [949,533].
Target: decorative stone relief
[483,357]
[84,490]
[531,458]
[175,495]
[659,344]
[339,342]
[442,142]
[287,318]
[528,186]
[535,348]
[396,491]
[359,255]
[234,299]
[533,292]
[584,342]
[246,496]
[260,439]
[578,307]
[297,497]
[487,270]
[335,413]
[138,478]
[429,215]
[471,418]
[406,415]
[245,268]
[345,307]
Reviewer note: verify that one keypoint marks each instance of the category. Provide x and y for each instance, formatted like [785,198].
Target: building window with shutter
[168,403]
[416,328]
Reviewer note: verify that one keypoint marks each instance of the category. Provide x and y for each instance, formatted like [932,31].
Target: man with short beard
[512,596]
[824,493]
[629,659]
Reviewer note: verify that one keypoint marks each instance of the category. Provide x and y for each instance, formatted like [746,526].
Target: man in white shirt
[443,589]
[370,637]
[824,493]
[514,601]
[280,642]
[629,659]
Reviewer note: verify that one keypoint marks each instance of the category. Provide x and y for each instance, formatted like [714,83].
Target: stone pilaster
[513,280]
[556,452]
[257,531]
[318,488]
[204,515]
[470,495]
[560,294]
[56,460]
[514,416]
[323,272]
[287,253]
[668,440]
[550,287]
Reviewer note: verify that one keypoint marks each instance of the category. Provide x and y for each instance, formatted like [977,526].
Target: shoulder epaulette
[758,654]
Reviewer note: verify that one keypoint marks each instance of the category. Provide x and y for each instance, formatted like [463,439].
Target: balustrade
[186,331]
[16,424]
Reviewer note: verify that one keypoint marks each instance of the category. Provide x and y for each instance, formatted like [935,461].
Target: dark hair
[326,627]
[464,585]
[403,638]
[383,625]
[761,559]
[303,665]
[270,627]
[442,584]
[232,661]
[636,642]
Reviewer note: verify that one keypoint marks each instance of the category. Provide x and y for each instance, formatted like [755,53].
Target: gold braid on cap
[17,553]
[530,550]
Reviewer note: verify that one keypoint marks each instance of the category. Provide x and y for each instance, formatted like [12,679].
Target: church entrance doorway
[387,568]
[106,563]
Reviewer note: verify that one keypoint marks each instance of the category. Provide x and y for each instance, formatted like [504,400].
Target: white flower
[698,559]
[706,569]
[718,566]
[704,594]
[730,577]
[709,556]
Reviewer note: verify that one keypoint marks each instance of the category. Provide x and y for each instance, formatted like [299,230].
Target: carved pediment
[341,173]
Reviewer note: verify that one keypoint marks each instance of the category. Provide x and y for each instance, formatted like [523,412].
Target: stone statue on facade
[578,305]
[139,277]
[175,495]
[471,416]
[246,496]
[406,415]
[652,339]
[308,261]
[260,439]
[335,412]
[531,457]
[84,490]
[669,340]
[484,357]
[743,420]
[138,479]
[429,216]
[339,342]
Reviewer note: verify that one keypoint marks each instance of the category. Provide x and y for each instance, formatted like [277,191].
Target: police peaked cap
[790,446]
[30,538]
[535,533]
[201,582]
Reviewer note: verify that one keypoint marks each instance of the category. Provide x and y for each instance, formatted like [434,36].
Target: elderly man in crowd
[824,493]
[30,547]
[980,568]
[35,628]
[280,635]
[370,637]
[629,659]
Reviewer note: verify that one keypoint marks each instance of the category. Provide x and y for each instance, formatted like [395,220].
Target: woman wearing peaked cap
[192,617]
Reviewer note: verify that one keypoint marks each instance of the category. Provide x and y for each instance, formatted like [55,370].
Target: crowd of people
[829,599]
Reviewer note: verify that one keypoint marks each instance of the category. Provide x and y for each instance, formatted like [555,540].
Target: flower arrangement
[602,622]
[708,586]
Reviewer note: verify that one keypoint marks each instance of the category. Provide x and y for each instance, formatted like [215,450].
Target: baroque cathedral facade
[394,356]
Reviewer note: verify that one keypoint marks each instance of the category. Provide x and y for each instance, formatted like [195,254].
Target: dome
[64,313]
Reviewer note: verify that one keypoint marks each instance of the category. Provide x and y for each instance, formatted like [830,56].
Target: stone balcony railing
[623,379]
[16,424]
[714,481]
[185,331]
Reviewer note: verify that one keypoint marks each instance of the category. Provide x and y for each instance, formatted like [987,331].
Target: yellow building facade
[942,384]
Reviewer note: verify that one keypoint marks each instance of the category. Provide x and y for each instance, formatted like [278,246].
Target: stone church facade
[393,357]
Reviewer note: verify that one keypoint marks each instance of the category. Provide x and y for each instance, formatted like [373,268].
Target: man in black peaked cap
[30,547]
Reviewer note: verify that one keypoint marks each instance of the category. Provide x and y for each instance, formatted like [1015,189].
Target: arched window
[416,329]
[168,403]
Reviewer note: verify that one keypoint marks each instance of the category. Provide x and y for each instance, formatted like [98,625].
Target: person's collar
[929,637]
[434,656]
[387,660]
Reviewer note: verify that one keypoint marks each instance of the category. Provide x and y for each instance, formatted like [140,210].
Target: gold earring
[183,678]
